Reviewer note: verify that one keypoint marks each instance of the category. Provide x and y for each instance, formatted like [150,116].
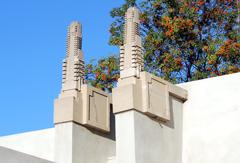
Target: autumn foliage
[103,74]
[184,40]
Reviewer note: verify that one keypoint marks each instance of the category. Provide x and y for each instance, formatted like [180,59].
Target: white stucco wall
[37,143]
[140,139]
[211,131]
[78,144]
[211,123]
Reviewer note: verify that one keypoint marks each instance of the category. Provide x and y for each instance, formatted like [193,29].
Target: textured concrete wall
[77,144]
[211,123]
[37,143]
[141,139]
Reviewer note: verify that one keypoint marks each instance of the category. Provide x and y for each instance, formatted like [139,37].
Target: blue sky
[32,46]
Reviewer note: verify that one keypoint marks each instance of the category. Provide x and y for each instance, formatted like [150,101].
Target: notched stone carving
[131,52]
[77,101]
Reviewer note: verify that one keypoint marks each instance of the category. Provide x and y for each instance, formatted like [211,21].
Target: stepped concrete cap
[90,107]
[77,101]
[73,64]
[148,94]
[131,52]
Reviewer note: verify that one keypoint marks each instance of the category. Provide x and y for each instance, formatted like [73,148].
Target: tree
[185,40]
[104,74]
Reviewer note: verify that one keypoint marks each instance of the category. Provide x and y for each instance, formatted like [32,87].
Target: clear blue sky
[32,46]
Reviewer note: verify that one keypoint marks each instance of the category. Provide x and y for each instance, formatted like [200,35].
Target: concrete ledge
[68,109]
[127,96]
[90,107]
[174,90]
[148,94]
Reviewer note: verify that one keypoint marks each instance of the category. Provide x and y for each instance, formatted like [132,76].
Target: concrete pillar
[148,113]
[131,52]
[64,142]
[83,133]
[148,109]
[140,139]
[75,143]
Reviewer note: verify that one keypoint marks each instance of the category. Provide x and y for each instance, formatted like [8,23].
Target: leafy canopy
[184,40]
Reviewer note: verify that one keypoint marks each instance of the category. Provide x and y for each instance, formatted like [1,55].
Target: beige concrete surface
[148,94]
[79,102]
[96,108]
[73,65]
[131,53]
[90,107]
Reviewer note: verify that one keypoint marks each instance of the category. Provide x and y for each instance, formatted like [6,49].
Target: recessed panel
[98,110]
[158,103]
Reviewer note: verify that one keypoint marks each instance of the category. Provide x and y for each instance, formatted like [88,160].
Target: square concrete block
[148,94]
[90,107]
[127,96]
[96,108]
[155,97]
[67,109]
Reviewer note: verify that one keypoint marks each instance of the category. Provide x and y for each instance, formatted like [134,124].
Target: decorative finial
[131,53]
[73,64]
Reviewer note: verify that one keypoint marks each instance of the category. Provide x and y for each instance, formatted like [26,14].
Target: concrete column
[140,139]
[148,109]
[148,113]
[64,142]
[75,143]
[83,122]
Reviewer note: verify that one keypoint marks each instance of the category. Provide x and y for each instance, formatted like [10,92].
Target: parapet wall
[141,139]
[211,118]
[39,143]
[206,127]
[77,144]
